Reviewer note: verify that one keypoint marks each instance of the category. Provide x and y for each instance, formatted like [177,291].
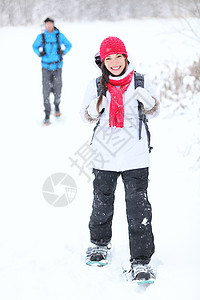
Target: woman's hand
[92,109]
[145,98]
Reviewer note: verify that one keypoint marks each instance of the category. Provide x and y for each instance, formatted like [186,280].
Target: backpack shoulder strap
[98,85]
[43,40]
[57,39]
[138,79]
[139,82]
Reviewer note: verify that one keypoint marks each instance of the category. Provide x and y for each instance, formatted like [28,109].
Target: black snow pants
[138,210]
[51,82]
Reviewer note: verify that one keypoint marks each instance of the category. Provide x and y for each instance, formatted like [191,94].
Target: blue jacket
[52,60]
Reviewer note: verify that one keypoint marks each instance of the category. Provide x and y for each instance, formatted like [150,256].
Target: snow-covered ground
[42,246]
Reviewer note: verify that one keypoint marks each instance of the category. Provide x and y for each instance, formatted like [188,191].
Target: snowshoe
[46,122]
[57,111]
[97,256]
[142,273]
[57,114]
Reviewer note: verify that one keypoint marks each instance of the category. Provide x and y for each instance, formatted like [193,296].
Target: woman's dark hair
[105,79]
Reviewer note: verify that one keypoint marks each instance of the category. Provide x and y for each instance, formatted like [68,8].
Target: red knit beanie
[112,45]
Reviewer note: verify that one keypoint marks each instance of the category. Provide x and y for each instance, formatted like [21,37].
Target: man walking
[48,46]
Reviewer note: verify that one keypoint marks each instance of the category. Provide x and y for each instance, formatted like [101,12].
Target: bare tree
[189,28]
[23,12]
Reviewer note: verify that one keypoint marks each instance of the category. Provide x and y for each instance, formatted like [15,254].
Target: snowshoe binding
[97,256]
[142,273]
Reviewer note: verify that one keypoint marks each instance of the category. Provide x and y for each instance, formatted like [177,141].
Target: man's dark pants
[51,82]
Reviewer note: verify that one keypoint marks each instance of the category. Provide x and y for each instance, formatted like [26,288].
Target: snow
[42,246]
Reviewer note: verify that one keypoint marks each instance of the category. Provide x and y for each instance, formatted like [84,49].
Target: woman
[120,150]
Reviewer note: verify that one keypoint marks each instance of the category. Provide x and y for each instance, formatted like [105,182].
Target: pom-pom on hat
[112,45]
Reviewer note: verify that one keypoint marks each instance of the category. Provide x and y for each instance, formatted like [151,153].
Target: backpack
[58,45]
[139,82]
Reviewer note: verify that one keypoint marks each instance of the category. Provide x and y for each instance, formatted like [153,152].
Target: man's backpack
[139,82]
[58,46]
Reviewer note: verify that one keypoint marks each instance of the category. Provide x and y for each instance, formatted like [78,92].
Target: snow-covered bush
[180,95]
[180,88]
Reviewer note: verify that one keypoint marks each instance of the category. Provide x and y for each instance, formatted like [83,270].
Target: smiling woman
[116,108]
[116,64]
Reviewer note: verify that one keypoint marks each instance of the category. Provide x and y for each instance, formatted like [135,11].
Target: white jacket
[119,149]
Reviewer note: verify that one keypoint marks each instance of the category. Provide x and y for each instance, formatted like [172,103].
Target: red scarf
[116,115]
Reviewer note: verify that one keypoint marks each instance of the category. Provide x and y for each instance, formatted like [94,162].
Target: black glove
[42,53]
[60,52]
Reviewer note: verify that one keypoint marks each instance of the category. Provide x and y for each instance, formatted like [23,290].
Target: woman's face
[115,63]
